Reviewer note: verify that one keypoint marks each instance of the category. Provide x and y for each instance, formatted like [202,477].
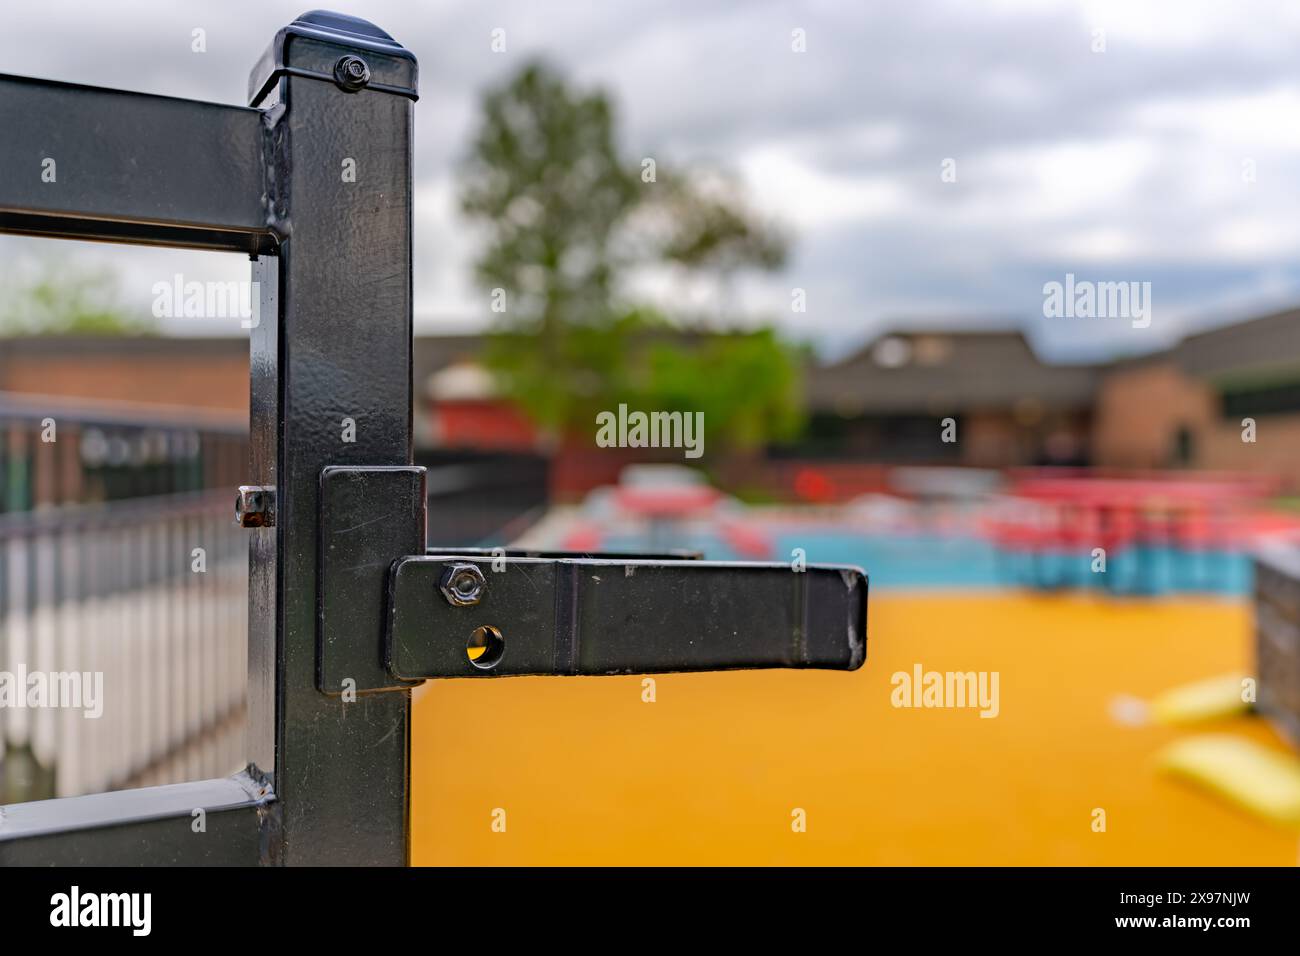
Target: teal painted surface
[939,562]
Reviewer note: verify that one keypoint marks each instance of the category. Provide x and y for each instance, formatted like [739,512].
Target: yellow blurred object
[1259,779]
[1203,700]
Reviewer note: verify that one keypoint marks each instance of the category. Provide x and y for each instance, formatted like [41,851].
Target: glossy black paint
[313,45]
[333,262]
[625,615]
[331,385]
[369,517]
[130,167]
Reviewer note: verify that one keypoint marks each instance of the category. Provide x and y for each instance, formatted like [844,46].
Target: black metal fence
[123,583]
[482,498]
[120,564]
[57,452]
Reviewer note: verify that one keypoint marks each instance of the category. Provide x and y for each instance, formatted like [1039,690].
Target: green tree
[55,299]
[566,218]
[748,385]
[711,229]
[545,176]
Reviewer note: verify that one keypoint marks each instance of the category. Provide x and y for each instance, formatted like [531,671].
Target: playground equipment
[1127,535]
[667,507]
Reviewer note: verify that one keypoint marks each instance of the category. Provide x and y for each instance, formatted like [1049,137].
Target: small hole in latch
[485,647]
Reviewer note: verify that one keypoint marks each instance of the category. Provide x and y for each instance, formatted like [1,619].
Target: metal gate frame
[328,777]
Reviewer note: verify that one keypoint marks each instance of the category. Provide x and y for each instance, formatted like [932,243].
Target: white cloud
[1128,161]
[786,186]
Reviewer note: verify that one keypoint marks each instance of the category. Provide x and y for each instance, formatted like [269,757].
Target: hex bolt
[351,73]
[462,584]
[255,506]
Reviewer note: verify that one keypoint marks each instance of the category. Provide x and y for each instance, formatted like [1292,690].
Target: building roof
[1255,348]
[929,371]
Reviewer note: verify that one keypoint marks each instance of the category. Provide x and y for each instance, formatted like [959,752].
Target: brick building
[1182,407]
[885,402]
[189,372]
[1185,407]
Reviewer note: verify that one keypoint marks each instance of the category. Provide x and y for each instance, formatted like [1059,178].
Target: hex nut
[255,506]
[462,584]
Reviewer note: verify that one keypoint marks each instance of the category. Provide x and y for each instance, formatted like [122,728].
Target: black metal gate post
[331,385]
[314,181]
[348,609]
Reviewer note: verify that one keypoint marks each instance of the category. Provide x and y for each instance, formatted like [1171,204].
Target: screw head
[462,584]
[351,73]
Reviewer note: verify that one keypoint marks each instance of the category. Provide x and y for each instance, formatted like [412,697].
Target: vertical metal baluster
[193,659]
[16,624]
[178,665]
[162,642]
[150,671]
[205,653]
[99,634]
[69,659]
[122,656]
[44,735]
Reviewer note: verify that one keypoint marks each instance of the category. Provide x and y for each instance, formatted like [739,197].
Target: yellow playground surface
[582,771]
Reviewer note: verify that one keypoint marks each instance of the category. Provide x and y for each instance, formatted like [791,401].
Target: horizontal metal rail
[59,453]
[218,822]
[115,515]
[83,162]
[27,407]
[483,499]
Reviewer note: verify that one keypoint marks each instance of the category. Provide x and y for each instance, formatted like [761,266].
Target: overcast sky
[1132,164]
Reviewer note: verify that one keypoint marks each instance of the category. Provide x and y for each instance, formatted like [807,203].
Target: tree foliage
[567,219]
[56,299]
[746,383]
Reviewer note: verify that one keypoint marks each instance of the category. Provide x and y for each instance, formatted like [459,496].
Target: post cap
[313,44]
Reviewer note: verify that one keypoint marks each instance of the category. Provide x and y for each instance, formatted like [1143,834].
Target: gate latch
[394,613]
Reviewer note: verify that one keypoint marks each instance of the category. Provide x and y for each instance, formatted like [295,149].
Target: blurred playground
[996,578]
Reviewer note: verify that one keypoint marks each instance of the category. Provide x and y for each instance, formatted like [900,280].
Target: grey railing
[123,589]
[59,451]
[136,611]
[120,563]
[1277,633]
